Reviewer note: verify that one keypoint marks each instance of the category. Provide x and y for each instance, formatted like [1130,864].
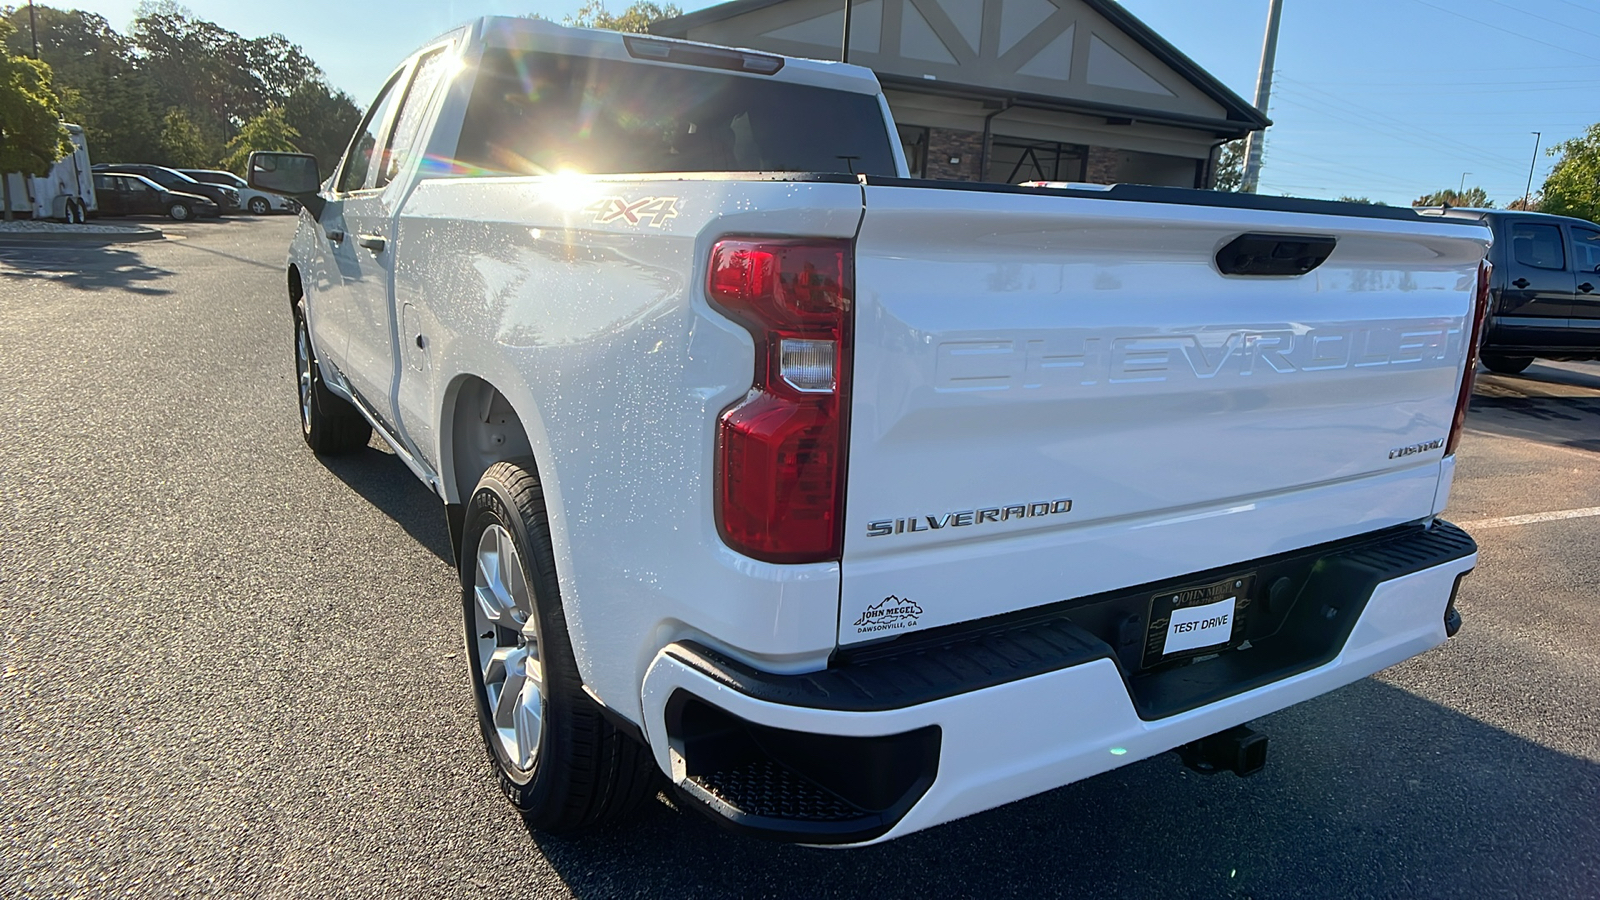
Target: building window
[1015,160]
[915,142]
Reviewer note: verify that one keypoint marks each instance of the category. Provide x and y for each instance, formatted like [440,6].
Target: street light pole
[844,48]
[1463,185]
[1527,195]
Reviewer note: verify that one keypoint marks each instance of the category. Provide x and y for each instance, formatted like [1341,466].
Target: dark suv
[1544,297]
[226,198]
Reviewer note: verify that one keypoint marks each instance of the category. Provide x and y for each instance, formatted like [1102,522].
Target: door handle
[1520,282]
[1586,287]
[371,242]
[336,236]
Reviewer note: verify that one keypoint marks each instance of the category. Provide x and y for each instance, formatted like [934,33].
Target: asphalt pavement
[229,669]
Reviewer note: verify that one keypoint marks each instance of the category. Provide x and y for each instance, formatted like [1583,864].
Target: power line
[1372,121]
[1394,124]
[1503,30]
[1534,15]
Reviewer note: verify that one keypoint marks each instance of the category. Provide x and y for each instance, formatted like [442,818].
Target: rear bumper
[872,750]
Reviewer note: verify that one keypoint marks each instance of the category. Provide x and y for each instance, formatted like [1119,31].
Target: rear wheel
[1506,365]
[180,211]
[259,206]
[330,425]
[555,756]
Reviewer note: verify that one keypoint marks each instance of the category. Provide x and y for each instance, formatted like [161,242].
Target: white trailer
[65,193]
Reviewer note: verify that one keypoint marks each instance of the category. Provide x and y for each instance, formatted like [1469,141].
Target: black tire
[585,772]
[329,424]
[259,206]
[1506,365]
[180,212]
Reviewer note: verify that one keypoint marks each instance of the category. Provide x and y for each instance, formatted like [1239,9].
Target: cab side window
[363,150]
[405,136]
[1538,246]
[132,184]
[1585,249]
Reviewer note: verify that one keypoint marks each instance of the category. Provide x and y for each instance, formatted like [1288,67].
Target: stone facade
[1102,165]
[945,144]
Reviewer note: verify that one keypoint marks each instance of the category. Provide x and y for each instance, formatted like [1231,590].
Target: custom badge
[889,614]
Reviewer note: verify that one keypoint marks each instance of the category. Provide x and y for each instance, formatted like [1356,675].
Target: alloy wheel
[506,630]
[302,361]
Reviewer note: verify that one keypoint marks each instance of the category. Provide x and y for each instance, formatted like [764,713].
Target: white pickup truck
[854,504]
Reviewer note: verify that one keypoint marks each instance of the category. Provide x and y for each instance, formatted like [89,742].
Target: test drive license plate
[1196,620]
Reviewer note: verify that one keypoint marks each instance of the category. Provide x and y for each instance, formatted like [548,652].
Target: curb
[50,237]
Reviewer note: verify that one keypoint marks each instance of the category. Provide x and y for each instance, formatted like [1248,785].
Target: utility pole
[1463,185]
[1269,57]
[1527,195]
[33,27]
[844,48]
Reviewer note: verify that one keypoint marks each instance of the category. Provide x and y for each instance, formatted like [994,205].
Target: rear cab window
[534,113]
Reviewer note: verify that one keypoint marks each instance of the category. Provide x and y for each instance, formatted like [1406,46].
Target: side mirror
[293,175]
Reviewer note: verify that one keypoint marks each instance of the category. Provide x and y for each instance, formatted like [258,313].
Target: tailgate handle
[1274,254]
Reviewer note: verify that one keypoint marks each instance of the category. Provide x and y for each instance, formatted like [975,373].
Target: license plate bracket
[1197,620]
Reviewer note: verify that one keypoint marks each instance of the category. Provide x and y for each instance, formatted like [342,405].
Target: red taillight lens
[1480,310]
[780,450]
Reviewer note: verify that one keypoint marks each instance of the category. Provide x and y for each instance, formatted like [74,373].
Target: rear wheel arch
[479,427]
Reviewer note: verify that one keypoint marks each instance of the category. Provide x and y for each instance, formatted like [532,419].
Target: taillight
[1480,310]
[780,450]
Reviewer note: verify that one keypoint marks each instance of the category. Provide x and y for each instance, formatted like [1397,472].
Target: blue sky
[1387,99]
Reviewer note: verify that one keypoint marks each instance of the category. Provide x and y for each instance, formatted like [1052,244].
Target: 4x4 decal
[654,210]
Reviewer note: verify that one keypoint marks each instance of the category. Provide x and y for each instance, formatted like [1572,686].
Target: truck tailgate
[1055,396]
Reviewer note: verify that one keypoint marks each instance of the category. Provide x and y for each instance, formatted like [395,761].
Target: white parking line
[1531,518]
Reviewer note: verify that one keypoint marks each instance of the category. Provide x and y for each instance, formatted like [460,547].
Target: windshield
[540,113]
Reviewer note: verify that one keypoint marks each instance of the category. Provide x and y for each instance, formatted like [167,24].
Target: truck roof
[648,49]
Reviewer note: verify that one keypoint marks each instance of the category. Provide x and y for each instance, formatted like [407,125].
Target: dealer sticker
[1200,626]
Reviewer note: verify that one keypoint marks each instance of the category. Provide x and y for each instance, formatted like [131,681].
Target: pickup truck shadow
[83,266]
[384,481]
[1369,792]
[1552,406]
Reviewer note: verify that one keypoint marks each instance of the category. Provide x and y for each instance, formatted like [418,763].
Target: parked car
[848,503]
[126,194]
[1544,298]
[258,203]
[226,198]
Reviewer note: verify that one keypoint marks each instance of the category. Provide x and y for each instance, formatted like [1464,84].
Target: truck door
[369,219]
[1586,271]
[352,272]
[107,197]
[1536,302]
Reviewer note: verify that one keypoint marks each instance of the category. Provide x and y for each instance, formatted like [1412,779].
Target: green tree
[325,119]
[1363,200]
[268,131]
[93,72]
[1475,197]
[31,135]
[1230,166]
[1573,188]
[635,19]
[1525,204]
[182,144]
